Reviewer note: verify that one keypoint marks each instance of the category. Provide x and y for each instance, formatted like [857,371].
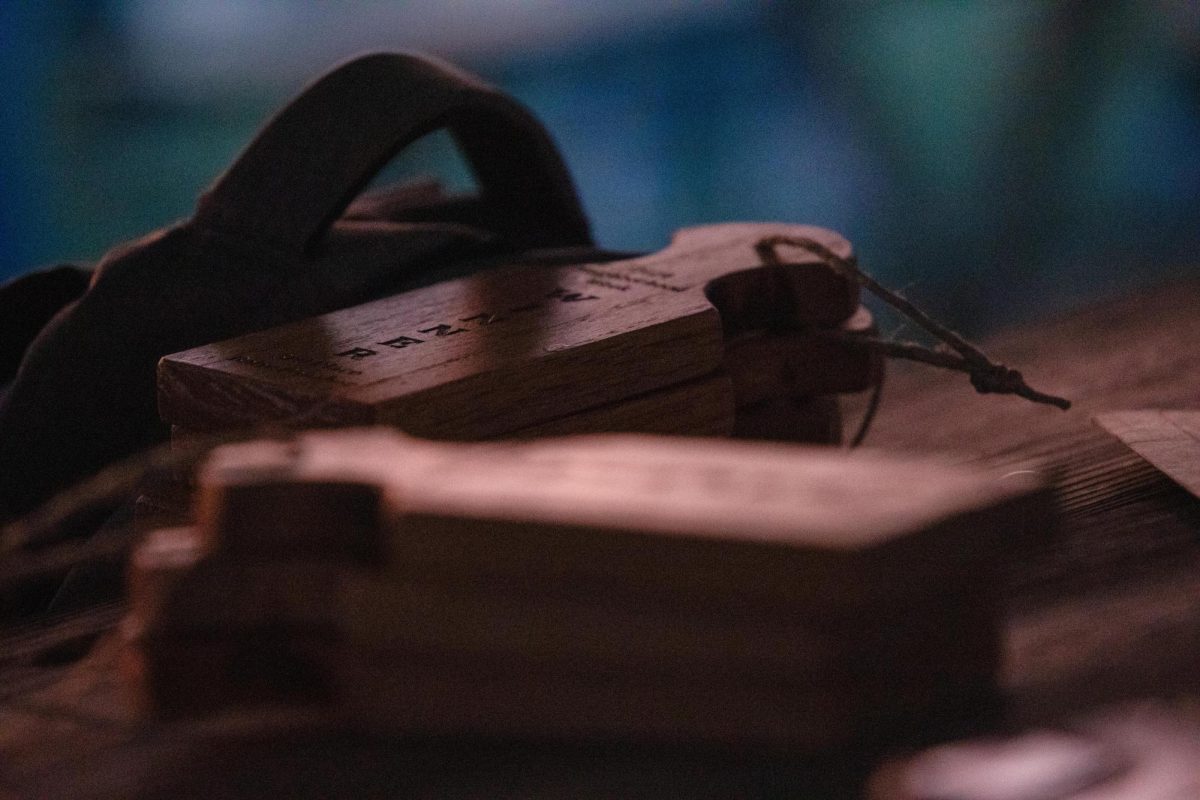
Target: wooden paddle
[681,341]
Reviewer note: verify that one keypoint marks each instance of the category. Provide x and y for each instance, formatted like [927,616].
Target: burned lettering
[442,330]
[401,342]
[357,353]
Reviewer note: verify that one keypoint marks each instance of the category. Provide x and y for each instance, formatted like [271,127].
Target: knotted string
[987,376]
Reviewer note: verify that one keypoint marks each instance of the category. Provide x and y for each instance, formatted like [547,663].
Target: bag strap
[302,170]
[30,301]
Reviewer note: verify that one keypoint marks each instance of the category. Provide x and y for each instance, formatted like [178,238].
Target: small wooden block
[162,558]
[513,349]
[765,365]
[1170,440]
[275,515]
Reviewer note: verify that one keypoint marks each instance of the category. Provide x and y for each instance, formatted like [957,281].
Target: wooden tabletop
[1104,609]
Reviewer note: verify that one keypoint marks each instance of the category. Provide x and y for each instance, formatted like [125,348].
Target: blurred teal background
[998,159]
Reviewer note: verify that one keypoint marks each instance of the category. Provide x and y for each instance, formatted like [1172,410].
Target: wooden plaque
[700,326]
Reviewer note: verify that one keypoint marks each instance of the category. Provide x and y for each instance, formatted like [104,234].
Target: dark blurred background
[997,159]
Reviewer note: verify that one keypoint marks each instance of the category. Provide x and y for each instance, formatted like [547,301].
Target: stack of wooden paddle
[595,587]
[700,338]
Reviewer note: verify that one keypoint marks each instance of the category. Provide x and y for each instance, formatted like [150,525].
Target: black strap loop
[316,155]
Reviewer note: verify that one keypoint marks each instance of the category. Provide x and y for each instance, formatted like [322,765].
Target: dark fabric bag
[273,240]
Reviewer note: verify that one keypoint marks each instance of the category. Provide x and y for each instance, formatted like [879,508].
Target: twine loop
[956,353]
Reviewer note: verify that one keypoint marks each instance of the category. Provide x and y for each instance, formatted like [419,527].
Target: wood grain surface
[1170,440]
